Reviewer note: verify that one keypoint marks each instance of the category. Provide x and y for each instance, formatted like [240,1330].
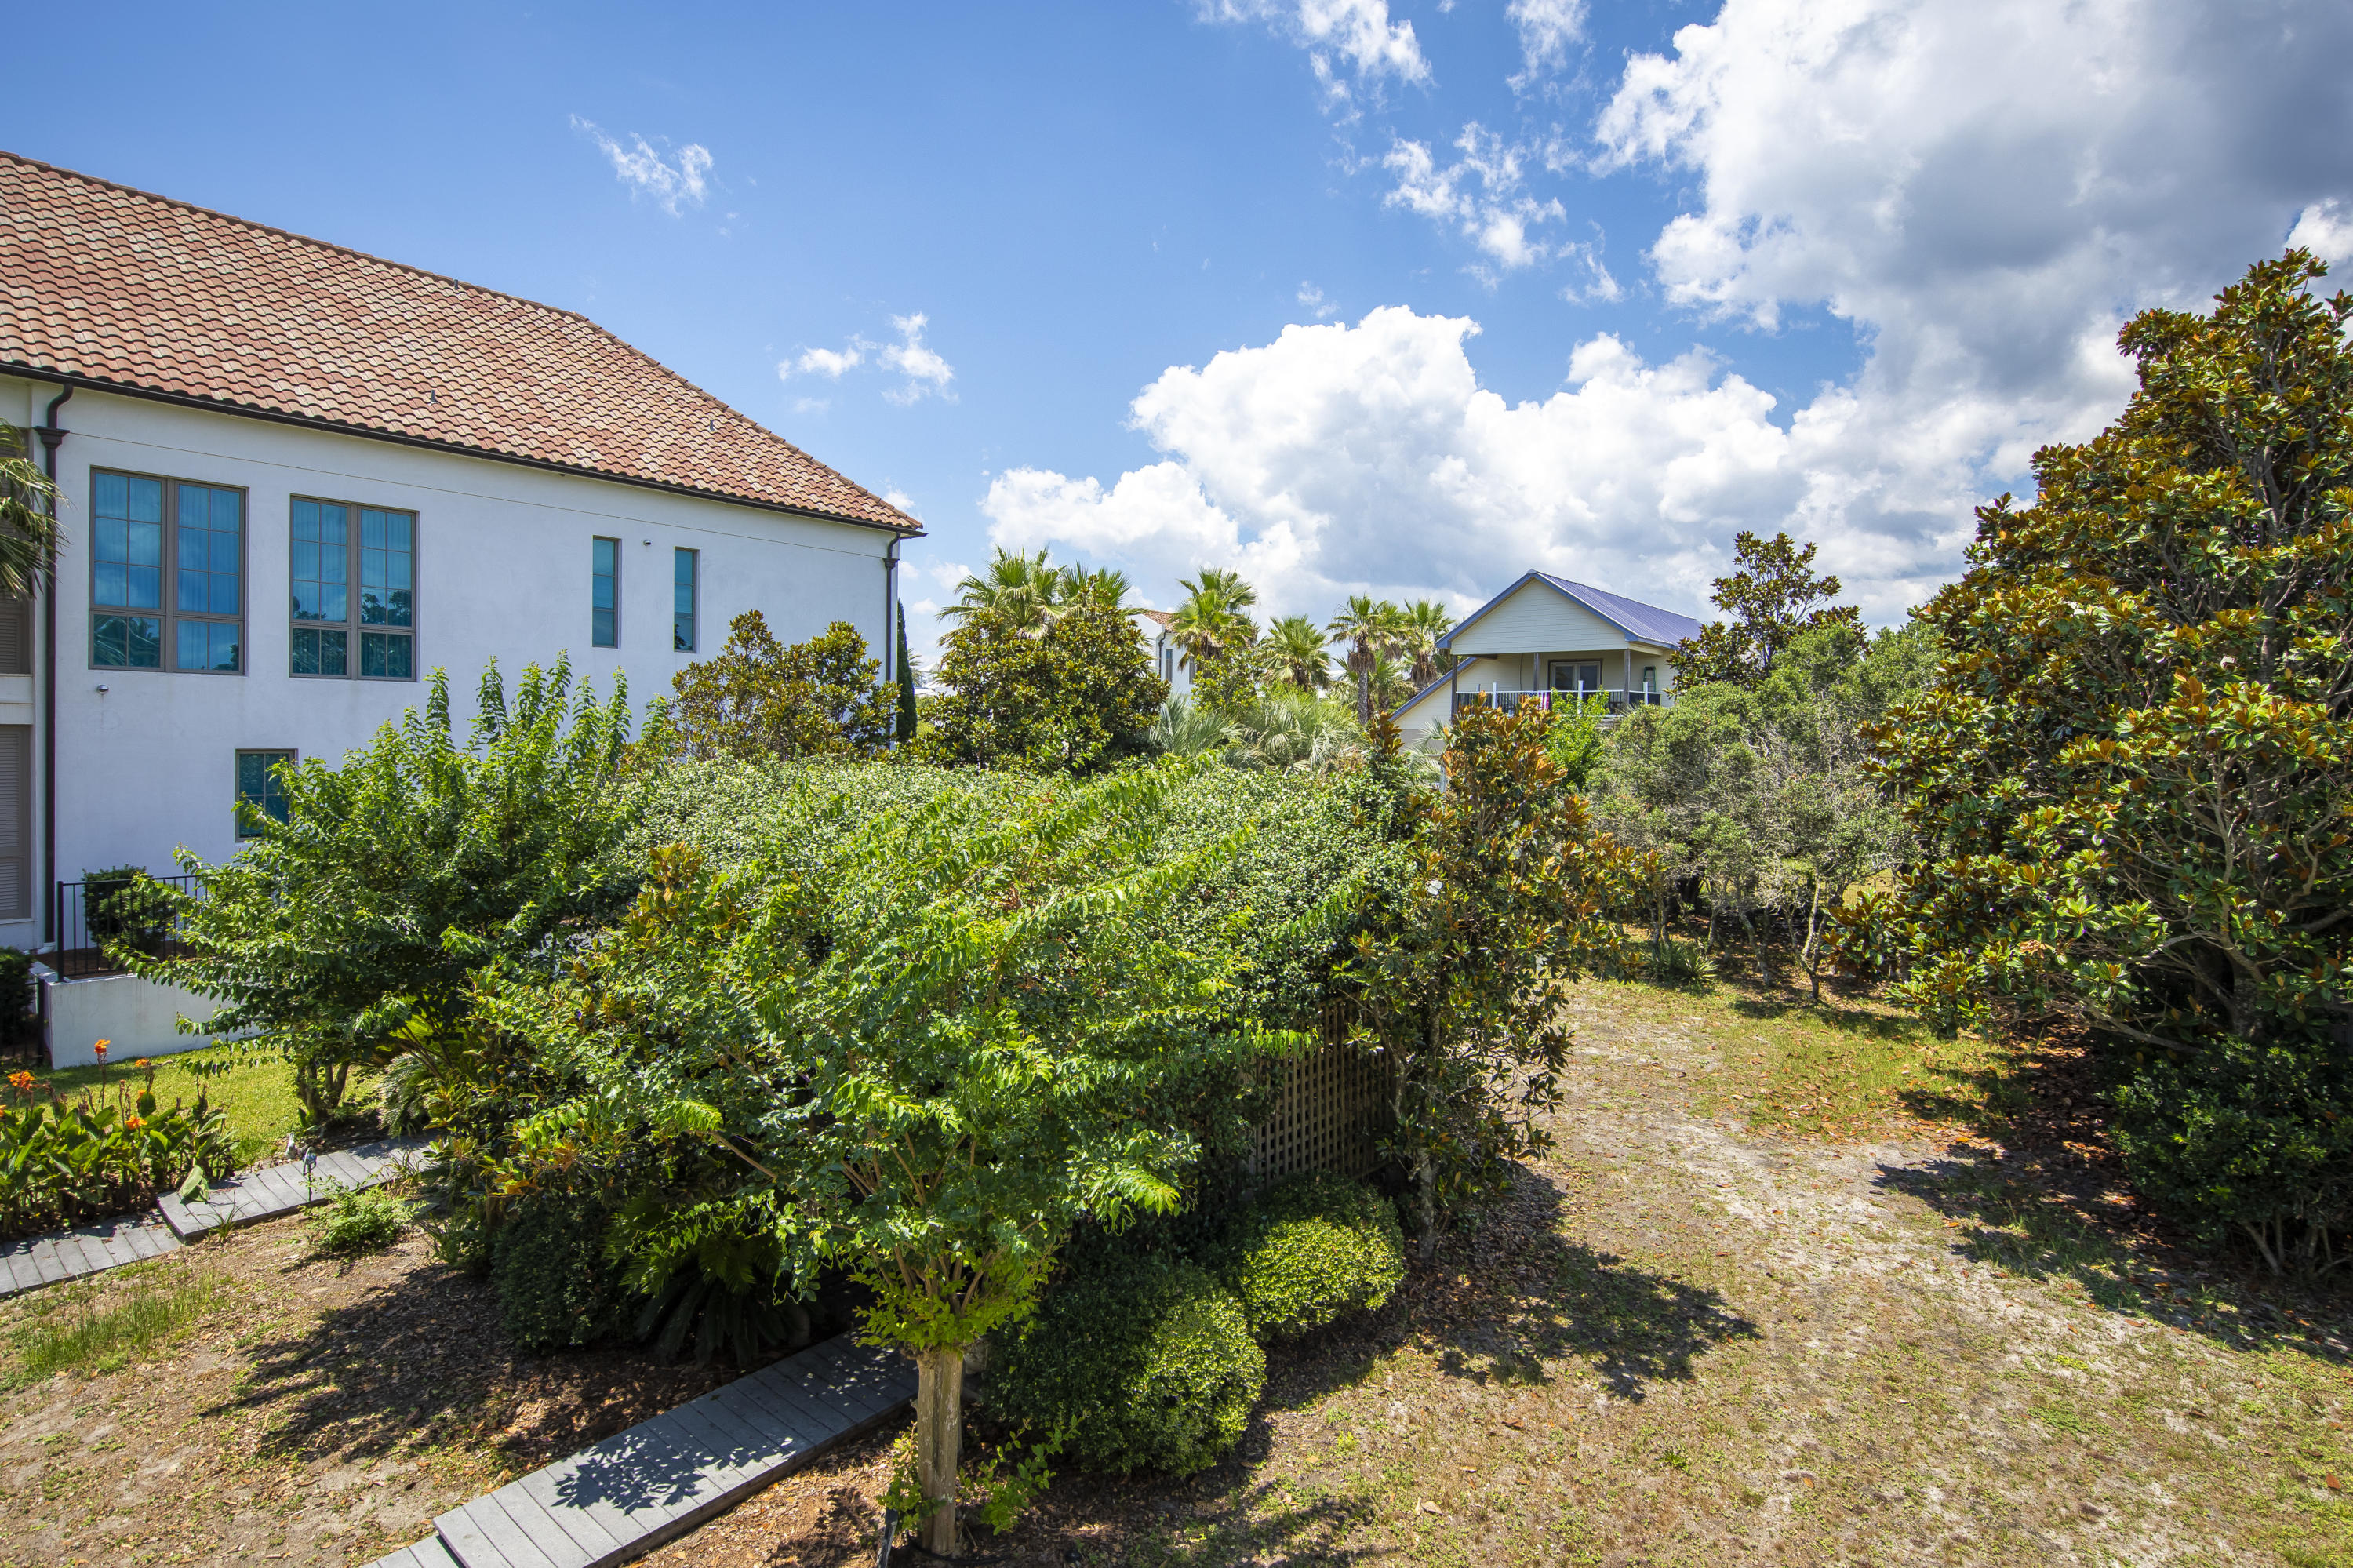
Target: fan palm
[1424,622]
[28,535]
[1185,728]
[1019,588]
[1390,679]
[1102,589]
[1370,627]
[1293,732]
[1297,646]
[1210,620]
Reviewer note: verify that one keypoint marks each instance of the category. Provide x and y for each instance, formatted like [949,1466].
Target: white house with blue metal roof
[1548,638]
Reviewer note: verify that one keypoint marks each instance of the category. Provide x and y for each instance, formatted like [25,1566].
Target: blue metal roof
[1642,622]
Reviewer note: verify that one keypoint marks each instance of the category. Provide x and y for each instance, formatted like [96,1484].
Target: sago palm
[1423,623]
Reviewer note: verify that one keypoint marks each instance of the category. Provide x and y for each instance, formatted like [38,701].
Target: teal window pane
[320,652]
[206,645]
[145,500]
[261,790]
[126,642]
[605,594]
[386,655]
[682,597]
[113,498]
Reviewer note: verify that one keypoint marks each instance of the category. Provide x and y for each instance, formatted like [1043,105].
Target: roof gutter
[890,604]
[310,422]
[52,436]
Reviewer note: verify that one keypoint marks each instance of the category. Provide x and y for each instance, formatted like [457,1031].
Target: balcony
[1608,704]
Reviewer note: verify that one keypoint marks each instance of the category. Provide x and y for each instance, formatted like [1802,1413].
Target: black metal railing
[118,912]
[1613,704]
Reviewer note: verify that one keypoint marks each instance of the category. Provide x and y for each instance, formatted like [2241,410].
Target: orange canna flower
[142,1062]
[135,1123]
[100,1048]
[21,1081]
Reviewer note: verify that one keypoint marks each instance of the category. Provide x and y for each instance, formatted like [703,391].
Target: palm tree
[1425,621]
[1021,588]
[1297,644]
[1292,732]
[1210,620]
[1370,626]
[28,535]
[1390,679]
[1102,589]
[1186,729]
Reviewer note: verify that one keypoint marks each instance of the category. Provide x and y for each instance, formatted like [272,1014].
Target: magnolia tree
[934,1050]
[2135,769]
[1506,902]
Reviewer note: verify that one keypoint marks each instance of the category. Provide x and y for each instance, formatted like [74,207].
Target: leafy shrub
[19,1001]
[547,1265]
[357,1220]
[110,1149]
[1147,1363]
[123,903]
[1315,1248]
[2252,1139]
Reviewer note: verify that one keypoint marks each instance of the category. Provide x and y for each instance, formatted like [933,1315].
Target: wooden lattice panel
[1332,1106]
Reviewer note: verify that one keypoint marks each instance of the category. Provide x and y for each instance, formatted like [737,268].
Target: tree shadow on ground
[1509,1300]
[425,1362]
[2042,1196]
[1097,1520]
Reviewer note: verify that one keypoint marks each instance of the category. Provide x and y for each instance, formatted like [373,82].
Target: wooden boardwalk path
[654,1482]
[258,1194]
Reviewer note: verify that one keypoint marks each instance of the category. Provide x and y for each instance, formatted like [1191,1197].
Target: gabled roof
[112,288]
[1642,622]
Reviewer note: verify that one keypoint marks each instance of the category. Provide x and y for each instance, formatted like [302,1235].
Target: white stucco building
[1549,638]
[295,479]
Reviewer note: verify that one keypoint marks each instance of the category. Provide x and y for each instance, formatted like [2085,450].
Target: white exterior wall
[504,562]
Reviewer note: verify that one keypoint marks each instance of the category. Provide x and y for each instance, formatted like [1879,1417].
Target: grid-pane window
[355,591]
[682,600]
[164,590]
[605,594]
[260,789]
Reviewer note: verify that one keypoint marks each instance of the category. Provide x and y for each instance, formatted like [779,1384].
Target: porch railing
[1613,704]
[90,915]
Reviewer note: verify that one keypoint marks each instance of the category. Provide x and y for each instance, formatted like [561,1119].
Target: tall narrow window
[162,589]
[682,606]
[353,572]
[261,790]
[605,594]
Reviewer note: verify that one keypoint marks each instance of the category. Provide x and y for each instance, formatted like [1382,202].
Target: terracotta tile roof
[115,287]
[1163,619]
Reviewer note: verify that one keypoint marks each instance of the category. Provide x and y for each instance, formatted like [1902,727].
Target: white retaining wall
[135,1017]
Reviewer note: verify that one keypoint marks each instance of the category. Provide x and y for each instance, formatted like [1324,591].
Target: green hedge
[1149,1362]
[547,1265]
[1316,1248]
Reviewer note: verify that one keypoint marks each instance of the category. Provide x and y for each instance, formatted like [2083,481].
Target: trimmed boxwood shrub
[1316,1247]
[1148,1362]
[547,1265]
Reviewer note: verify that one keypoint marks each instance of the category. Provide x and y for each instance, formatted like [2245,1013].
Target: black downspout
[889,603]
[51,439]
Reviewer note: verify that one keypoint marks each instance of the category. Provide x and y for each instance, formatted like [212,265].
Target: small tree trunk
[1365,696]
[1425,1191]
[1764,960]
[939,1435]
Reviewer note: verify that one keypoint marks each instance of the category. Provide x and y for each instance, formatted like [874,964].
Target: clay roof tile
[109,284]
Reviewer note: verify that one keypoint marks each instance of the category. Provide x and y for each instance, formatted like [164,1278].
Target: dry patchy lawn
[310,1411]
[1798,1287]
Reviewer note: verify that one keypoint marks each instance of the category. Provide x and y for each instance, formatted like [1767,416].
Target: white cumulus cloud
[673,182]
[1546,29]
[2326,229]
[927,373]
[1344,39]
[1481,195]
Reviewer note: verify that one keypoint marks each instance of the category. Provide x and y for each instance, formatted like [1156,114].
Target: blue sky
[1836,265]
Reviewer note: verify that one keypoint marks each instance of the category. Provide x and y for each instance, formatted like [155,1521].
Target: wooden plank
[762,1442]
[484,1537]
[281,1186]
[427,1553]
[23,1272]
[541,1529]
[805,1406]
[716,1453]
[341,1166]
[815,1376]
[46,1258]
[590,1529]
[847,1382]
[784,1424]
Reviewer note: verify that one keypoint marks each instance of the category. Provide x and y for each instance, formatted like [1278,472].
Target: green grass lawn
[257,1094]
